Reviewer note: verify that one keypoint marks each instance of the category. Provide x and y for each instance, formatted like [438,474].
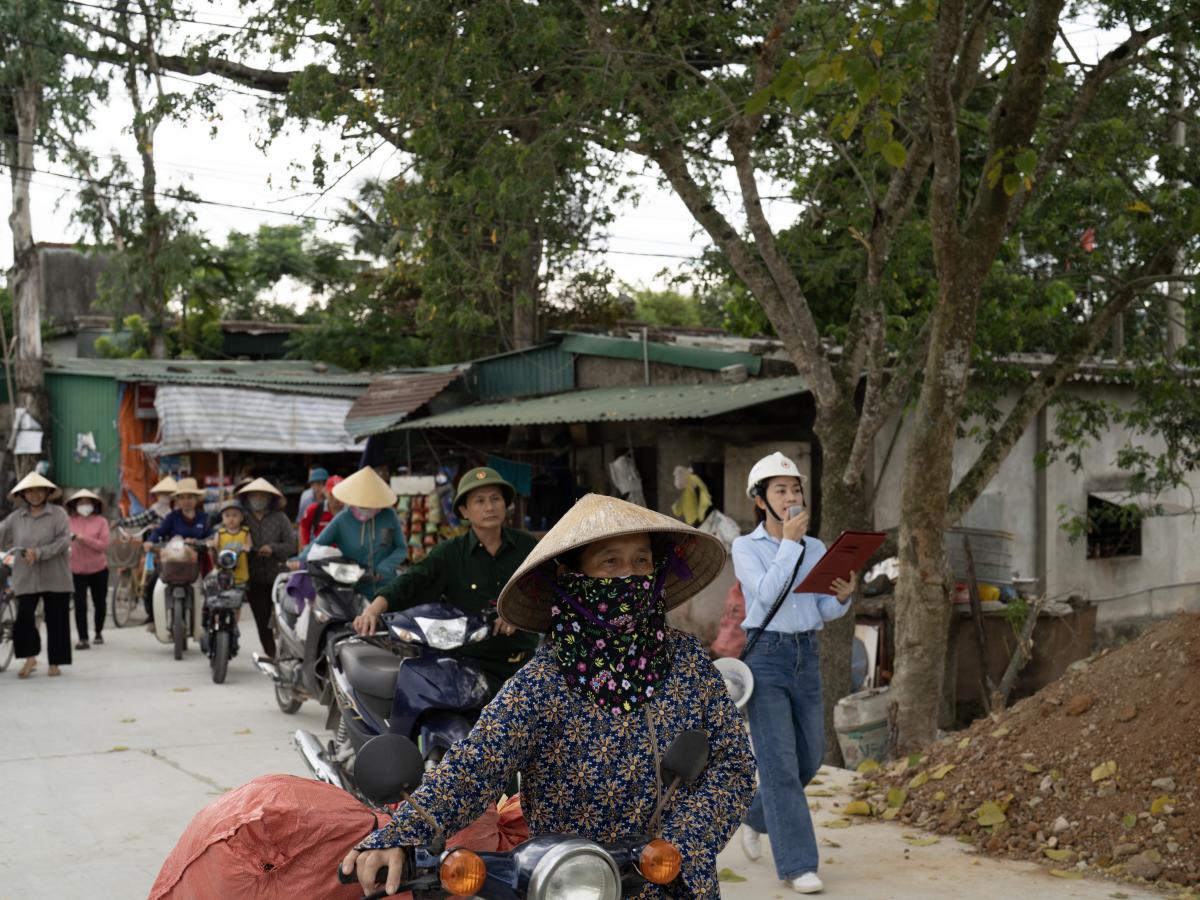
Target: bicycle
[125,554]
[8,611]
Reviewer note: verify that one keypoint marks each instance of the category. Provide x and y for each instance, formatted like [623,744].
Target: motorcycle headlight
[444,634]
[401,634]
[575,870]
[345,573]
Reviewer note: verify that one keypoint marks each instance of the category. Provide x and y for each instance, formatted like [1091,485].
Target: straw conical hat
[366,489]
[260,486]
[166,486]
[525,601]
[85,494]
[188,486]
[34,480]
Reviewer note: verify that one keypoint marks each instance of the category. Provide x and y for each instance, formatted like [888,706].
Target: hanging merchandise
[625,478]
[694,500]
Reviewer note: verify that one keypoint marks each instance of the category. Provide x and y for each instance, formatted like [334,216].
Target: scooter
[222,602]
[545,866]
[178,595]
[406,680]
[301,671]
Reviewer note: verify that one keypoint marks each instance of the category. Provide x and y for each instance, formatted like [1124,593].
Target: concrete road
[104,767]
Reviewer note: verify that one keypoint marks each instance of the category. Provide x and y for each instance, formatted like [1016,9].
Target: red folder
[849,553]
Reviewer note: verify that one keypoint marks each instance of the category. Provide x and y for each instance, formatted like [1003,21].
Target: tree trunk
[842,507]
[30,380]
[526,292]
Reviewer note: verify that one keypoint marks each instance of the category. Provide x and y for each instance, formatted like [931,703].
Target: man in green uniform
[469,572]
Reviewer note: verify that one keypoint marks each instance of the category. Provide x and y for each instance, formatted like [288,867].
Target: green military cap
[483,477]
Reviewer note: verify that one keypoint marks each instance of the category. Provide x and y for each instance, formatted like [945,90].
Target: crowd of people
[586,671]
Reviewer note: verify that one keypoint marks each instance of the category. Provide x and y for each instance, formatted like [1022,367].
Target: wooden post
[1021,655]
[220,474]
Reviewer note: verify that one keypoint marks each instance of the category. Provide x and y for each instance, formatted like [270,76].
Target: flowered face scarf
[609,637]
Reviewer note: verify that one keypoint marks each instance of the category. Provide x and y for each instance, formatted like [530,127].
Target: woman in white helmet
[785,709]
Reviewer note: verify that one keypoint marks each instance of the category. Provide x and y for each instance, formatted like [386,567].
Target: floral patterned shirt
[591,773]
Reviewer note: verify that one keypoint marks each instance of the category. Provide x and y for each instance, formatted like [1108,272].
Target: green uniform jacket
[462,573]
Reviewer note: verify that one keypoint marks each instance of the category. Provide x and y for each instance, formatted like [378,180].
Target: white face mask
[259,504]
[85,509]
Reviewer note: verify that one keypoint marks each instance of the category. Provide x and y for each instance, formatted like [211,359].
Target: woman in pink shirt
[89,561]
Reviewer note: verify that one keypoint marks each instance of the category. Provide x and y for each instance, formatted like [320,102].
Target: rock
[1106,789]
[1143,866]
[1060,825]
[995,844]
[1052,843]
[1166,785]
[1080,665]
[1120,851]
[1047,785]
[1127,713]
[1172,847]
[1079,704]
[1159,828]
[1034,801]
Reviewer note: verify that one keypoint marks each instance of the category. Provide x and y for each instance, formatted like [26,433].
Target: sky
[650,240]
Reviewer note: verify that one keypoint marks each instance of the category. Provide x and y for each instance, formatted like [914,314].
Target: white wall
[1164,578]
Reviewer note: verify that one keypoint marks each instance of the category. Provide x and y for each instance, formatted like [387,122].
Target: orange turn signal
[660,861]
[463,873]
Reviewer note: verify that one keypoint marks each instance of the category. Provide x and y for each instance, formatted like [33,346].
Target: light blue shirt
[762,564]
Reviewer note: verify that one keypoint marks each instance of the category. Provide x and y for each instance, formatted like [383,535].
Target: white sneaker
[808,883]
[751,843]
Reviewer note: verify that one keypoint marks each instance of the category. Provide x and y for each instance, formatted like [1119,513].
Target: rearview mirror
[687,756]
[388,768]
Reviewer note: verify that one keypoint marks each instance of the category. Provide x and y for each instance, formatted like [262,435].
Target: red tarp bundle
[280,836]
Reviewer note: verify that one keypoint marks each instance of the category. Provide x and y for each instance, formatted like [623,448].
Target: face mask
[85,509]
[363,514]
[609,637]
[259,504]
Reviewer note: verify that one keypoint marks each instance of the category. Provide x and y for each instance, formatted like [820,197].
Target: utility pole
[1176,317]
[26,275]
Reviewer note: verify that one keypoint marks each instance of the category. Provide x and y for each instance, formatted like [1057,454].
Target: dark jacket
[273,530]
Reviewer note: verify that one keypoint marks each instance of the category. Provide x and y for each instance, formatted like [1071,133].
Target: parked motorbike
[222,601]
[545,867]
[178,595]
[407,680]
[301,670]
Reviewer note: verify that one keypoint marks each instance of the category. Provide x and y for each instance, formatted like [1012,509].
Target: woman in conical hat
[586,721]
[40,572]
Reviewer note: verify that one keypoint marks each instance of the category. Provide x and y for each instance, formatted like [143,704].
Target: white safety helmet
[774,466]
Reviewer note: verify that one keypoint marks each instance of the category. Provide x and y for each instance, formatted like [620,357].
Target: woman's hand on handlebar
[367,864]
[367,622]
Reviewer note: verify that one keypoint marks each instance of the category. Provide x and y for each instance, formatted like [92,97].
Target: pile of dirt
[1097,772]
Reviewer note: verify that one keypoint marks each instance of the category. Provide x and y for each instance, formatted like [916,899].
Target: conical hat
[34,480]
[166,486]
[260,486]
[187,486]
[526,599]
[84,494]
[366,489]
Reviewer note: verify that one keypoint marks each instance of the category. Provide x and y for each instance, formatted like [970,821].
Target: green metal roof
[291,376]
[668,354]
[619,404]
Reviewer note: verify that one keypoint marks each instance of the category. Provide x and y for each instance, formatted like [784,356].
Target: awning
[1149,504]
[211,418]
[390,399]
[620,404]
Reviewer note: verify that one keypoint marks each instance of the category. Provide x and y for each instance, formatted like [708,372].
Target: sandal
[54,671]
[98,641]
[82,645]
[27,669]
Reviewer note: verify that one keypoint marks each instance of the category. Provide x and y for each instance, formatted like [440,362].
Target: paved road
[103,768]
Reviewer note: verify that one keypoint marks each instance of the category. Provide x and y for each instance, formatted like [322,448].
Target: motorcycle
[301,671]
[545,867]
[222,601]
[178,595]
[406,680]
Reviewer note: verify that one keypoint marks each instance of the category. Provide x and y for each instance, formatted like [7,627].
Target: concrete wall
[600,371]
[1032,505]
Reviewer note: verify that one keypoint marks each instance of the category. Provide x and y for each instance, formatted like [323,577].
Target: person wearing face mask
[367,530]
[40,535]
[147,520]
[587,720]
[274,540]
[469,571]
[89,563]
[785,709]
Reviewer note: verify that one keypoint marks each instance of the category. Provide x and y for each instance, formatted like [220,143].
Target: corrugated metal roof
[620,404]
[391,398]
[547,369]
[667,354]
[290,376]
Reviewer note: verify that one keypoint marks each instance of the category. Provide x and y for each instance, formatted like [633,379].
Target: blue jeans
[787,726]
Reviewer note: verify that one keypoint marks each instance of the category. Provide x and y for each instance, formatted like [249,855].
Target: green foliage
[666,308]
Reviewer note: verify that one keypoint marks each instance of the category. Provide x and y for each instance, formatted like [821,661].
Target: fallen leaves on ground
[728,875]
